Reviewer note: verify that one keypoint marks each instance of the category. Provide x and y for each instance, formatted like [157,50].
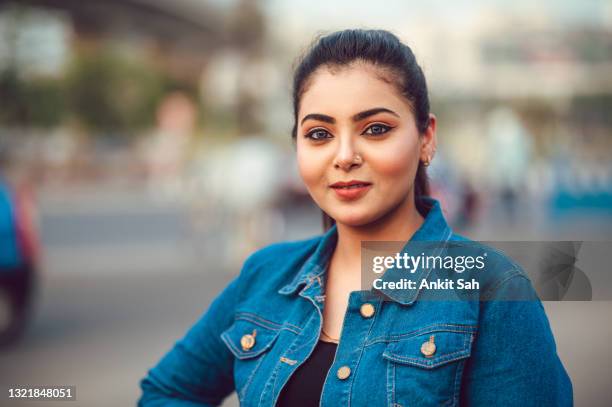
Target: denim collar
[316,265]
[433,229]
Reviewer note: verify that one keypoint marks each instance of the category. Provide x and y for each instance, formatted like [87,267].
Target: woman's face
[354,126]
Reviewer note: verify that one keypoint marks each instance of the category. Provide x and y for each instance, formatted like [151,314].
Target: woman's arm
[198,370]
[514,359]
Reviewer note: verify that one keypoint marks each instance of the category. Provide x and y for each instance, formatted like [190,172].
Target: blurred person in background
[166,152]
[295,327]
[468,210]
[19,257]
[510,151]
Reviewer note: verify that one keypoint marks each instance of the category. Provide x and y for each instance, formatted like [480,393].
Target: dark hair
[385,51]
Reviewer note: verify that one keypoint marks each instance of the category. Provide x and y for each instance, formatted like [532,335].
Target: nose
[345,156]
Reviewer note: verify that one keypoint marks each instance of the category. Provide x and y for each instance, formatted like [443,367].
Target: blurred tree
[247,33]
[247,27]
[33,101]
[37,102]
[12,93]
[111,94]
[46,102]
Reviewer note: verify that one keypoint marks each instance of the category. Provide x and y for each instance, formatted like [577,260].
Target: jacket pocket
[249,340]
[425,369]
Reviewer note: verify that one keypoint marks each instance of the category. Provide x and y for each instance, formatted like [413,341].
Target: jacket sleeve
[514,358]
[198,370]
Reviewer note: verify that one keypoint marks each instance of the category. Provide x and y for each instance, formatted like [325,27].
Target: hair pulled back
[396,64]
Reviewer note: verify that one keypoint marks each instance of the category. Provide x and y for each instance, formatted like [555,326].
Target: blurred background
[145,151]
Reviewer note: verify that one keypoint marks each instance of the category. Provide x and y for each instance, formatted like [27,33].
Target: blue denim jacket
[267,321]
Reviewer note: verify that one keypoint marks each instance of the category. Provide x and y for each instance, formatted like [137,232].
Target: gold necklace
[334,340]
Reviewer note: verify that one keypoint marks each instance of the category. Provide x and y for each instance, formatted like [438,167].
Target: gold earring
[426,163]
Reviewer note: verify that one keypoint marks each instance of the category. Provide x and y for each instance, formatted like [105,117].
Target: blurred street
[101,332]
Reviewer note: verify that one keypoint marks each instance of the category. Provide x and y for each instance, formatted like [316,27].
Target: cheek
[395,167]
[397,161]
[310,167]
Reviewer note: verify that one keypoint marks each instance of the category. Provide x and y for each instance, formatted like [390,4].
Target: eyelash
[384,126]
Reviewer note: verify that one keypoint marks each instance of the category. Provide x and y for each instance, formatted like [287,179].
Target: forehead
[344,91]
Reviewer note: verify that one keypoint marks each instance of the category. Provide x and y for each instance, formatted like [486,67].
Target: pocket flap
[430,350]
[247,339]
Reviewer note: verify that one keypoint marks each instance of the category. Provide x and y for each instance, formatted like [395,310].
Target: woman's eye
[318,134]
[377,129]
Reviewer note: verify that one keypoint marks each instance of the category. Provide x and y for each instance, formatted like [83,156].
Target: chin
[354,219]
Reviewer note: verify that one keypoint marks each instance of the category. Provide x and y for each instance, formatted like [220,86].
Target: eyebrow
[357,117]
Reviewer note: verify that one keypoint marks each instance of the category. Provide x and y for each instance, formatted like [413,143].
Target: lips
[351,190]
[350,184]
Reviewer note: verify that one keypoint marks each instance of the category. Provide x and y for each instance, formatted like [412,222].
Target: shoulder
[282,252]
[276,264]
[495,256]
[501,270]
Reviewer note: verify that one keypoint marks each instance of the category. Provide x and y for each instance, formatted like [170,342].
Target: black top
[306,383]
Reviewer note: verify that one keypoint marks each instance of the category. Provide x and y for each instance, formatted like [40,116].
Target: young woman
[297,327]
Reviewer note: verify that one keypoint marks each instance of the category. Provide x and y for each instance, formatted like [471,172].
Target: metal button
[428,348]
[367,310]
[248,341]
[344,372]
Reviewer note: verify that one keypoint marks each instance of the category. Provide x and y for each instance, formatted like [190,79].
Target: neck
[400,224]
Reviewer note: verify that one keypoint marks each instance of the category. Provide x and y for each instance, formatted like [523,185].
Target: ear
[429,140]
